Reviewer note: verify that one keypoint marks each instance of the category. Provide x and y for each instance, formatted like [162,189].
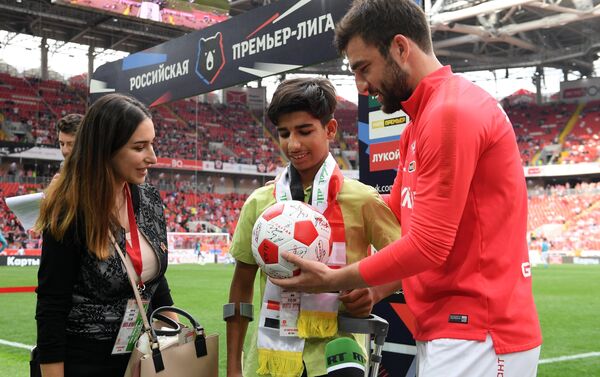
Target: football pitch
[567,298]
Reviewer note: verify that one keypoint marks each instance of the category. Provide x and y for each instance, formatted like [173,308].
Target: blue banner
[269,40]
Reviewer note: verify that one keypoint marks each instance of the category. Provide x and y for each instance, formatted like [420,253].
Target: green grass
[567,298]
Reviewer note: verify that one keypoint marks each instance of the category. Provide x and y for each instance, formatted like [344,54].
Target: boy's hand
[358,302]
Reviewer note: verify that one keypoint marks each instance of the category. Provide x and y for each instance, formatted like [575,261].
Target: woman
[83,287]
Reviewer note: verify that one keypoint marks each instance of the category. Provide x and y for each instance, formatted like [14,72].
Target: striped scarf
[280,346]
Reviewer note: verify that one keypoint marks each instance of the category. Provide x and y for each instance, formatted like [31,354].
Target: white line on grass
[543,361]
[15,344]
[572,357]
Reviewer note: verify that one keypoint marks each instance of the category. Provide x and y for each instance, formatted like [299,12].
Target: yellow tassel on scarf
[312,324]
[279,363]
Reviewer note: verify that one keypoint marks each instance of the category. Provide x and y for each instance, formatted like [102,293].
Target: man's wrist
[336,279]
[342,279]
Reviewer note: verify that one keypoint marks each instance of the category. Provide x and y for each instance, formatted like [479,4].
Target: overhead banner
[587,89]
[265,41]
[254,98]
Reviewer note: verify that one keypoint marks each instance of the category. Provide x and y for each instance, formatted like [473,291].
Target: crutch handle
[370,325]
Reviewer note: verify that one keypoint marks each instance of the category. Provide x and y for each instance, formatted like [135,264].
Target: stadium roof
[477,35]
[471,35]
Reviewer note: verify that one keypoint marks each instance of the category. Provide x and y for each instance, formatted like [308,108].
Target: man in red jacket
[461,198]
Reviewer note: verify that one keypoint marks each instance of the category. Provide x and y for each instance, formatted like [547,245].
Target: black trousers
[92,358]
[87,358]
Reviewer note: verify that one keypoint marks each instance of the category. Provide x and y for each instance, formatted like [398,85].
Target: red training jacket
[461,198]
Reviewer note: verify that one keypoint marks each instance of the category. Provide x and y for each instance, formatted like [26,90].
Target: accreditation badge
[288,314]
[131,328]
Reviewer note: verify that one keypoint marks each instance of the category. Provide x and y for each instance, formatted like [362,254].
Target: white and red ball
[294,227]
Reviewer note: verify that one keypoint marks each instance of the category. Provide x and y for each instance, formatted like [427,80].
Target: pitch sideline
[542,361]
[15,344]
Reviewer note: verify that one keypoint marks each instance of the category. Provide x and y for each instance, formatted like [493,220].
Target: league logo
[211,58]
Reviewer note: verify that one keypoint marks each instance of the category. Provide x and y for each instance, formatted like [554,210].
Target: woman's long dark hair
[86,183]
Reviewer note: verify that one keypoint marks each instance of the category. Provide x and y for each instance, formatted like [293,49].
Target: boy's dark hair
[69,124]
[378,21]
[315,95]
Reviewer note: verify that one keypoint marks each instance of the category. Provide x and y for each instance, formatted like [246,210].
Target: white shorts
[460,358]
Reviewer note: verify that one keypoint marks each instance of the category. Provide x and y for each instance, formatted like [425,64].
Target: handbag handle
[175,327]
[195,324]
[200,341]
[154,346]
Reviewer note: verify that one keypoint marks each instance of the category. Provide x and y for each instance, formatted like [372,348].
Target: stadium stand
[32,106]
[224,133]
[575,209]
[537,126]
[232,133]
[188,129]
[185,211]
[583,143]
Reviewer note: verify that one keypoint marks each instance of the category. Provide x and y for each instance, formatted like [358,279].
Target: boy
[302,109]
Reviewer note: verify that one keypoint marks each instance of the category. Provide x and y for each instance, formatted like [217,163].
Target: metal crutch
[371,325]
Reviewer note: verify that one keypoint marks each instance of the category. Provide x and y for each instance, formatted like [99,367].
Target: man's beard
[394,88]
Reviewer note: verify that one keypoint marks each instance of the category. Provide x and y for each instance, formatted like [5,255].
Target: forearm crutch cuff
[246,310]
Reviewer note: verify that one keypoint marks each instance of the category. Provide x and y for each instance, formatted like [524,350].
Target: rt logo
[211,58]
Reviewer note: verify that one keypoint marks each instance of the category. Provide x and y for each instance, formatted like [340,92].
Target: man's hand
[315,277]
[358,302]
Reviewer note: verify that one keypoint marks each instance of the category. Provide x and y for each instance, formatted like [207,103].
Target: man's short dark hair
[315,95]
[69,124]
[378,21]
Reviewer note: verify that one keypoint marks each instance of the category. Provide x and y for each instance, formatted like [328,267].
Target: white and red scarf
[279,353]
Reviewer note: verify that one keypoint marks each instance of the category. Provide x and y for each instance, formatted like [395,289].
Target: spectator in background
[198,250]
[12,169]
[3,243]
[67,130]
[545,251]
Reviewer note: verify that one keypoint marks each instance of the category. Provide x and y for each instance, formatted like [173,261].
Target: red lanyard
[133,249]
